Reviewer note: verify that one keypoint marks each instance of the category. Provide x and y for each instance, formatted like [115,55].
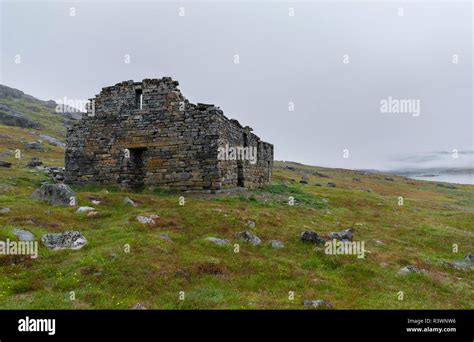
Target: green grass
[104,275]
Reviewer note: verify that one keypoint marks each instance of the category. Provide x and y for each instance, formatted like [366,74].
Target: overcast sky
[282,59]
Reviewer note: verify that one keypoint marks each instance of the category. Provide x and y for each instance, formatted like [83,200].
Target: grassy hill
[18,109]
[157,267]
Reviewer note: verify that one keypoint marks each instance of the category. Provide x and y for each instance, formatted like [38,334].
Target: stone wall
[146,133]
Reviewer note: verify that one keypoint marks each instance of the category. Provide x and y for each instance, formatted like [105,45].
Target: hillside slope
[20,110]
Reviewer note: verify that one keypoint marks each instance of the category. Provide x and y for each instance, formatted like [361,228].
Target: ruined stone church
[136,134]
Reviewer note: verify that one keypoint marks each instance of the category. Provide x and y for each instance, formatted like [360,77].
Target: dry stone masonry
[137,134]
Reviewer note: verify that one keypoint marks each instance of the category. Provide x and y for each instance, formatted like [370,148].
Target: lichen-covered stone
[64,240]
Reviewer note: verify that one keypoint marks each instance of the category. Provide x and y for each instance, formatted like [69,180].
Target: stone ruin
[137,134]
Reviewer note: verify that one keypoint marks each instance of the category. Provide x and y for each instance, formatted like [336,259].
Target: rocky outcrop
[53,141]
[11,117]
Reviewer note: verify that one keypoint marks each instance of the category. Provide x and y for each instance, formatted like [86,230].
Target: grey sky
[282,59]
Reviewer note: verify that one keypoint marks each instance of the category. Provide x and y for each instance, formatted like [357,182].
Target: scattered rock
[356,179]
[345,235]
[331,184]
[6,153]
[24,235]
[250,224]
[52,141]
[95,202]
[447,186]
[165,237]
[11,117]
[277,244]
[59,194]
[390,179]
[217,241]
[310,236]
[138,306]
[463,264]
[145,220]
[318,184]
[317,304]
[250,237]
[84,210]
[34,162]
[129,201]
[65,240]
[304,180]
[5,164]
[92,213]
[410,269]
[56,173]
[319,174]
[35,145]
[5,210]
[370,190]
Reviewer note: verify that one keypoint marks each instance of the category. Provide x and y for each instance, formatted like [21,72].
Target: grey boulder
[5,164]
[319,303]
[217,241]
[310,236]
[410,269]
[277,244]
[250,237]
[23,235]
[345,235]
[34,162]
[55,194]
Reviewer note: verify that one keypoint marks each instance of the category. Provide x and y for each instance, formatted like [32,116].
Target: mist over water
[442,166]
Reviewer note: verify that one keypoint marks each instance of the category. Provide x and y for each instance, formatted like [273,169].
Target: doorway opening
[137,168]
[240,174]
[269,168]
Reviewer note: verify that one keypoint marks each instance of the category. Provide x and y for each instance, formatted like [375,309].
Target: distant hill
[18,109]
